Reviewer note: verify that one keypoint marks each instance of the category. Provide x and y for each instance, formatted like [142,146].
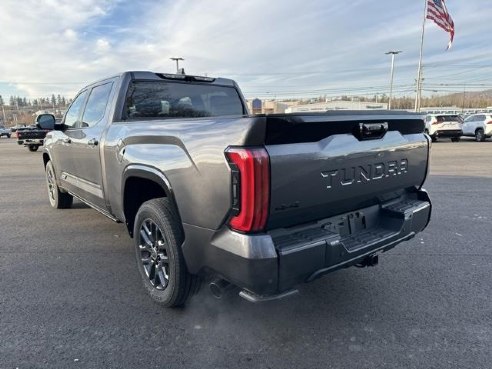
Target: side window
[470,119]
[480,118]
[96,105]
[72,116]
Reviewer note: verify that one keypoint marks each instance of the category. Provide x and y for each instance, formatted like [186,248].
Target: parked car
[444,126]
[263,203]
[478,126]
[4,132]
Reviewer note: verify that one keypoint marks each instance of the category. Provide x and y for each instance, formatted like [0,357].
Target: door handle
[371,131]
[92,142]
[66,140]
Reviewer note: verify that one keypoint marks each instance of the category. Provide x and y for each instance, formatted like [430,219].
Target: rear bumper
[270,264]
[33,141]
[448,133]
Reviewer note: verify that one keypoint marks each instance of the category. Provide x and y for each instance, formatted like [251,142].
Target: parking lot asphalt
[70,294]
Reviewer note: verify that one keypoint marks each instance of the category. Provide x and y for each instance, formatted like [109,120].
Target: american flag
[437,11]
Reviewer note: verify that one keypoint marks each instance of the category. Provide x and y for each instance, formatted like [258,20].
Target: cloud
[103,45]
[280,48]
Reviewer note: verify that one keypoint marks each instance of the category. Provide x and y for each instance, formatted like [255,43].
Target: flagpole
[418,95]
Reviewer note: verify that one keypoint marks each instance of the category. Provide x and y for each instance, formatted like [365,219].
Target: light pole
[392,53]
[177,63]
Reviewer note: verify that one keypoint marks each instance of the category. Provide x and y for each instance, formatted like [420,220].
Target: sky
[273,49]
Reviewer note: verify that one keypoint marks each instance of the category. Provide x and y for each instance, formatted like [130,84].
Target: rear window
[449,118]
[161,99]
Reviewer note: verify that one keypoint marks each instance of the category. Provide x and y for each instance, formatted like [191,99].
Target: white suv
[478,126]
[444,125]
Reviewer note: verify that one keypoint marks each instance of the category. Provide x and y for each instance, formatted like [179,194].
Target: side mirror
[46,121]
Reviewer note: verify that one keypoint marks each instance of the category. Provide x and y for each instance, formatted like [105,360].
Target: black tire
[455,139]
[158,237]
[33,148]
[8,136]
[58,199]
[479,135]
[434,138]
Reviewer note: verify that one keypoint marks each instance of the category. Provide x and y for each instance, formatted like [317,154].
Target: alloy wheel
[51,185]
[154,254]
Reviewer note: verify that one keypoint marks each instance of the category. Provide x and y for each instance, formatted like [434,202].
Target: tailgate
[448,122]
[448,125]
[31,134]
[328,164]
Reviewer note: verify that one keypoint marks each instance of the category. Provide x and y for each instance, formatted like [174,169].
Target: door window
[73,113]
[96,105]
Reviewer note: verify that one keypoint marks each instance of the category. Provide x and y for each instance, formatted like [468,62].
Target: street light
[392,53]
[177,63]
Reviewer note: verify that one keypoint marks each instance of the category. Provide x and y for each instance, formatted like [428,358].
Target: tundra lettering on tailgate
[365,173]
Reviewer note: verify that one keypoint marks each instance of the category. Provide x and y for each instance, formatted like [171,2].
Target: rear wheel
[479,135]
[434,138]
[33,147]
[455,139]
[58,199]
[158,238]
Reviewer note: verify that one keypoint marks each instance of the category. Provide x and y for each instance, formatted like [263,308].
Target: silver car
[4,132]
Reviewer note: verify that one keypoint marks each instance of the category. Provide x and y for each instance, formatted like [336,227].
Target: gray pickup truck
[208,192]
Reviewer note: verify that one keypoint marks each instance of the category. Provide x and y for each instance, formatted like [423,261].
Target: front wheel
[58,199]
[158,238]
[434,138]
[33,148]
[479,135]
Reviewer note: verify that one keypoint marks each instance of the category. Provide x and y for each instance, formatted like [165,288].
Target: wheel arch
[46,158]
[142,183]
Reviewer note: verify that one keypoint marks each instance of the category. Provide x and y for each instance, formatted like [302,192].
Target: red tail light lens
[489,122]
[251,188]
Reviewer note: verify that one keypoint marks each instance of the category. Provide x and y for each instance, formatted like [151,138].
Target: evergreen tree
[1,100]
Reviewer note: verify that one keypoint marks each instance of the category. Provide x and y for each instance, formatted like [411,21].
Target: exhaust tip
[218,287]
[368,261]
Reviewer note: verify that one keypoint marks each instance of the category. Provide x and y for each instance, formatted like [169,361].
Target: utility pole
[392,53]
[177,63]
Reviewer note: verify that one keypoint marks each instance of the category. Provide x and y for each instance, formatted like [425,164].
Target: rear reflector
[250,188]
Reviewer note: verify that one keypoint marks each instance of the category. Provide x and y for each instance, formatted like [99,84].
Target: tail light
[489,122]
[436,122]
[250,188]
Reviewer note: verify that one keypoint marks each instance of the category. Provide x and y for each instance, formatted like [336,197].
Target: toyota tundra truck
[208,192]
